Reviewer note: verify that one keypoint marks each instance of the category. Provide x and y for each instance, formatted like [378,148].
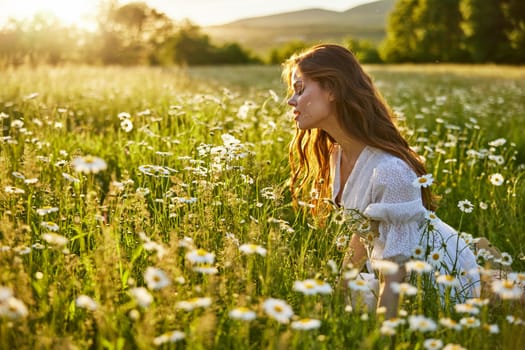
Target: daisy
[46,210]
[491,328]
[126,125]
[278,310]
[191,304]
[470,322]
[13,308]
[206,269]
[466,206]
[89,164]
[55,239]
[418,266]
[433,344]
[448,280]
[359,285]
[403,288]
[242,313]
[200,256]
[506,289]
[435,258]
[431,216]
[479,302]
[252,248]
[70,178]
[505,259]
[169,337]
[450,324]
[421,323]
[386,267]
[86,302]
[156,278]
[49,225]
[142,296]
[306,287]
[423,181]
[394,322]
[466,309]
[496,179]
[306,324]
[452,346]
[418,252]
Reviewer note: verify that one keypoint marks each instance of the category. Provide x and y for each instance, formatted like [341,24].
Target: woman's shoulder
[388,165]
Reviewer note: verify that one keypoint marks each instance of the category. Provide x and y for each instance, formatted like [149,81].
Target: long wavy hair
[363,113]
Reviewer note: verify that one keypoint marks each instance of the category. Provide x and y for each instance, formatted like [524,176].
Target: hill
[366,21]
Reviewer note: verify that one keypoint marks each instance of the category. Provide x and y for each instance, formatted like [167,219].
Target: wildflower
[483,206]
[498,159]
[200,256]
[359,285]
[278,310]
[206,269]
[15,190]
[13,308]
[435,258]
[448,280]
[403,288]
[418,266]
[505,259]
[431,216]
[49,225]
[479,302]
[386,267]
[55,239]
[242,313]
[465,206]
[418,252]
[496,179]
[186,242]
[126,125]
[142,296]
[155,170]
[421,323]
[86,302]
[252,248]
[497,142]
[506,289]
[470,322]
[518,277]
[387,330]
[423,181]
[124,115]
[452,346]
[5,293]
[306,324]
[192,304]
[466,309]
[312,287]
[394,322]
[46,210]
[70,178]
[491,328]
[341,242]
[433,344]
[450,323]
[89,164]
[169,337]
[156,278]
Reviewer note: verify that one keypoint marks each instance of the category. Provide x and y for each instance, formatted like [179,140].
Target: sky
[201,12]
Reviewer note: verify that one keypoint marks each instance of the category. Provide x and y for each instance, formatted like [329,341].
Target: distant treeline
[134,34]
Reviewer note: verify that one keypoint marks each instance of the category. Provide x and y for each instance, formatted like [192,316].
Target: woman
[346,137]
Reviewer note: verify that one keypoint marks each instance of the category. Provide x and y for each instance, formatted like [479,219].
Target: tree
[514,11]
[401,40]
[485,25]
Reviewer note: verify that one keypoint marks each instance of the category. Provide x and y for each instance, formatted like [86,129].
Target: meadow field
[149,208]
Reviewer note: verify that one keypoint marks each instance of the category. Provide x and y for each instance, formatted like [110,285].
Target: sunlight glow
[80,13]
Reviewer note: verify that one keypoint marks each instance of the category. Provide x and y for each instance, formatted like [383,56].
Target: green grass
[120,221]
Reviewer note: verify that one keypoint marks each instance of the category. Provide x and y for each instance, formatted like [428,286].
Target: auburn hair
[363,113]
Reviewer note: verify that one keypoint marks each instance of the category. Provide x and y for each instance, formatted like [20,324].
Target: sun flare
[79,12]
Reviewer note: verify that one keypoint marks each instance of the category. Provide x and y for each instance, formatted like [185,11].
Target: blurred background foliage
[465,31]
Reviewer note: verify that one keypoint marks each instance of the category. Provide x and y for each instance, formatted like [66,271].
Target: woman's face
[313,107]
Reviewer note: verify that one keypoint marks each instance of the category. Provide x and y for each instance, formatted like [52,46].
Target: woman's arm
[356,254]
[387,297]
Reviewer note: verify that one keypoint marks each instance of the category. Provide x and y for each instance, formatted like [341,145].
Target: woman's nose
[292,101]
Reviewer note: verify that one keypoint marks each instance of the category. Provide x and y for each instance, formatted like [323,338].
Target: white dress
[380,187]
